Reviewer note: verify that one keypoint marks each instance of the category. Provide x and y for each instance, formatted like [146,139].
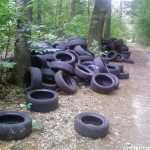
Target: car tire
[83,72]
[59,65]
[42,100]
[14,125]
[32,79]
[123,75]
[65,82]
[64,56]
[102,83]
[99,62]
[91,125]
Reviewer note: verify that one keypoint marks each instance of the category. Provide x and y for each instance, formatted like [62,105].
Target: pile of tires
[116,50]
[70,66]
[63,67]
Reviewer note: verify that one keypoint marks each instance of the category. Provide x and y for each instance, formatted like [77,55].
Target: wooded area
[24,22]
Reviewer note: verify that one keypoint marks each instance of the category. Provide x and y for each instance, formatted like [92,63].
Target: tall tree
[22,56]
[107,20]
[72,9]
[39,17]
[97,22]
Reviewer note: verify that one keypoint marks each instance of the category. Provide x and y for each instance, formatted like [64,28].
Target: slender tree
[72,9]
[22,55]
[39,17]
[97,22]
[107,23]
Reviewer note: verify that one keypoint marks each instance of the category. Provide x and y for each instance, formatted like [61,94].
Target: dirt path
[126,108]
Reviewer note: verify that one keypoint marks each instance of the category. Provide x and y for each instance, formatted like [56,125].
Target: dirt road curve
[128,111]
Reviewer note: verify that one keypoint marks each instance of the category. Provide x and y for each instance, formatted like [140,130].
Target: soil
[126,108]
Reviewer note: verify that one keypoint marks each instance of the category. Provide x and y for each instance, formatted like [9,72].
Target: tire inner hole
[11,119]
[92,120]
[111,54]
[103,80]
[49,80]
[64,57]
[42,95]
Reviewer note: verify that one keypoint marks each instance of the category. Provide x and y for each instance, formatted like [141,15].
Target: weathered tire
[113,69]
[38,61]
[116,81]
[123,75]
[14,125]
[112,46]
[48,57]
[65,82]
[62,46]
[73,43]
[47,72]
[86,58]
[59,65]
[94,68]
[118,43]
[112,55]
[86,63]
[102,83]
[49,83]
[79,50]
[42,100]
[124,48]
[64,56]
[106,48]
[91,125]
[119,58]
[106,41]
[98,61]
[32,79]
[56,43]
[83,72]
[77,60]
[105,60]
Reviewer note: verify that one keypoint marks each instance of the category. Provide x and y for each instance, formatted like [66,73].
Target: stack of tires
[72,65]
[116,50]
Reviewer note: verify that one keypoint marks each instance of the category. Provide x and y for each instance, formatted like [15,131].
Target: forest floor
[126,108]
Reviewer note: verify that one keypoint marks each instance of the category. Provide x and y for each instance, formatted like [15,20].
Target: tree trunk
[22,56]
[72,9]
[88,7]
[107,20]
[60,23]
[39,18]
[121,7]
[97,22]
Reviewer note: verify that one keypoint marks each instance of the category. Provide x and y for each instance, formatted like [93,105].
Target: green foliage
[55,17]
[142,22]
[118,26]
[26,107]
[96,49]
[7,26]
[33,47]
[5,66]
[38,125]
